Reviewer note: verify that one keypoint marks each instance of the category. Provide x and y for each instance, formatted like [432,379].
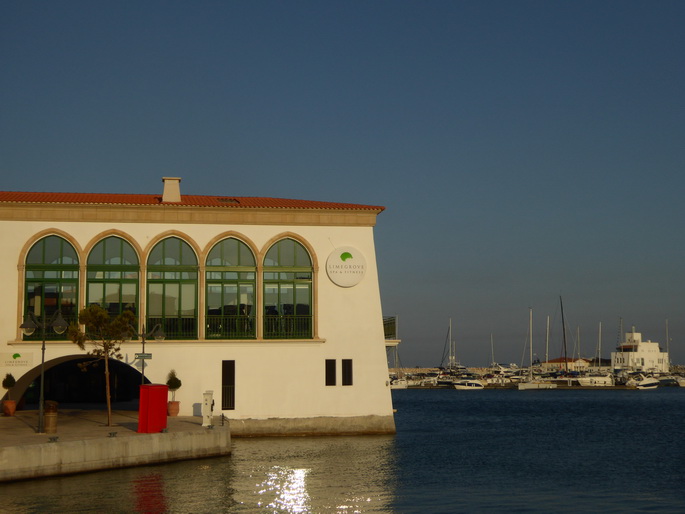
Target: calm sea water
[455,451]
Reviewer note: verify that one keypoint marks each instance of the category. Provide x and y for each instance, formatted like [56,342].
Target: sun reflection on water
[342,475]
[289,488]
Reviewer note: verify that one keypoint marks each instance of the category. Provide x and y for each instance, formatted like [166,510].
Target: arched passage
[68,383]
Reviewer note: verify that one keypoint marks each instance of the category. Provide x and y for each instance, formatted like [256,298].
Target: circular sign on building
[346,266]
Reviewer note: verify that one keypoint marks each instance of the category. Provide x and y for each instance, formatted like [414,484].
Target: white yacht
[596,380]
[641,381]
[535,384]
[468,385]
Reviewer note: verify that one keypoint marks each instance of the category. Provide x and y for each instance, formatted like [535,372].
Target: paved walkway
[84,442]
[80,424]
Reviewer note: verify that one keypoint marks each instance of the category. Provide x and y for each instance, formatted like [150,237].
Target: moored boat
[533,382]
[596,380]
[532,385]
[399,383]
[468,385]
[641,381]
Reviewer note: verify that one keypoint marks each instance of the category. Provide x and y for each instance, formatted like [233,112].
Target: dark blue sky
[524,150]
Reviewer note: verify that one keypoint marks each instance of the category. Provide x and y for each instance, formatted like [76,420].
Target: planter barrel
[50,422]
[9,407]
[173,408]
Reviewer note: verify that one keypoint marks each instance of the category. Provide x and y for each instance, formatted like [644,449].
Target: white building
[634,354]
[272,304]
[566,363]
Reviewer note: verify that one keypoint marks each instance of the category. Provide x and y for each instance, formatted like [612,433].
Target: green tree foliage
[8,383]
[104,335]
[174,383]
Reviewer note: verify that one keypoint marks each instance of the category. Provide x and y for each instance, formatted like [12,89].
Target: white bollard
[207,408]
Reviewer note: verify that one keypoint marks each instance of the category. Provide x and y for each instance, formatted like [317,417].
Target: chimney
[172,189]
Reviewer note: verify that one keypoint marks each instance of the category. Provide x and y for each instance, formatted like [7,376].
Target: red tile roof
[567,359]
[186,201]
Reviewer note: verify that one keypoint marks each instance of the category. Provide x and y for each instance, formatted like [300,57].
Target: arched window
[230,274]
[51,282]
[287,291]
[112,276]
[172,288]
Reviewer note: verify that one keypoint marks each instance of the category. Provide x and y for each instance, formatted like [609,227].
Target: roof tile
[247,202]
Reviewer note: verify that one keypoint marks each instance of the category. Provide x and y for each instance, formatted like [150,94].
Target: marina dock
[83,442]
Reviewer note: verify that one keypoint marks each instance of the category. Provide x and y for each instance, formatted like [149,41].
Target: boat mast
[451,357]
[530,336]
[667,347]
[563,331]
[620,341]
[599,346]
[547,342]
[492,350]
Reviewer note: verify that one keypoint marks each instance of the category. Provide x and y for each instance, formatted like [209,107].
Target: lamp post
[28,327]
[156,332]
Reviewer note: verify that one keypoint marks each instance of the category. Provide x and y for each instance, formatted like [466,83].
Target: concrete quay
[83,442]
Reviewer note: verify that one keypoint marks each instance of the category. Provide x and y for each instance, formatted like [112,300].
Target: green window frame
[51,282]
[288,274]
[172,273]
[112,276]
[230,285]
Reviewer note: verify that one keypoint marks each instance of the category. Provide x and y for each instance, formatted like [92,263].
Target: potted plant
[9,405]
[174,384]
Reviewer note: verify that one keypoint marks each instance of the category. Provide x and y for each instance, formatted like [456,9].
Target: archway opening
[68,383]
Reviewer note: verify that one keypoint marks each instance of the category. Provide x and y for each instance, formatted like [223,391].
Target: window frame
[126,277]
[330,372]
[226,324]
[347,372]
[58,276]
[228,385]
[285,277]
[162,279]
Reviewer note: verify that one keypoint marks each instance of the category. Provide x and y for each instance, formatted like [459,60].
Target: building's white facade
[334,379]
[634,354]
[562,364]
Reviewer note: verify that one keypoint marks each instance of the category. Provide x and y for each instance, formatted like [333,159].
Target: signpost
[143,356]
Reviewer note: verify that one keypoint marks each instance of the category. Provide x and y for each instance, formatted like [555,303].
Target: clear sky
[524,150]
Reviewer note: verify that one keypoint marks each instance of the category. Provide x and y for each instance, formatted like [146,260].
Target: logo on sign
[346,266]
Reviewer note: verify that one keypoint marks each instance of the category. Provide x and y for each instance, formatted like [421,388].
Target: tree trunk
[107,393]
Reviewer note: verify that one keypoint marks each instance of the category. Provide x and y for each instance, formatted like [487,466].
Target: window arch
[287,291]
[230,291]
[51,282]
[112,276]
[172,288]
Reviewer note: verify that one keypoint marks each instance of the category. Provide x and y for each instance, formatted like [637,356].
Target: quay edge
[29,461]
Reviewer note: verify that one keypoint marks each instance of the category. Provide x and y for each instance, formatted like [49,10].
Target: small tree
[174,383]
[105,334]
[8,383]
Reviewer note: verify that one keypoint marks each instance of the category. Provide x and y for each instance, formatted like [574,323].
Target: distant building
[566,363]
[272,304]
[634,354]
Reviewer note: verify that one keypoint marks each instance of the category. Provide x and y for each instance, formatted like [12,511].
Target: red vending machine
[152,408]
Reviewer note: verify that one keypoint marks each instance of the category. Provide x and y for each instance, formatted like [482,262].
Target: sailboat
[597,378]
[532,383]
[399,381]
[453,368]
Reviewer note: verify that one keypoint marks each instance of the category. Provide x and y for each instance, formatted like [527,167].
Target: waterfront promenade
[83,442]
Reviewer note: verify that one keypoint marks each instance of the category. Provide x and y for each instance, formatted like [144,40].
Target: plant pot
[8,407]
[172,408]
[50,422]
